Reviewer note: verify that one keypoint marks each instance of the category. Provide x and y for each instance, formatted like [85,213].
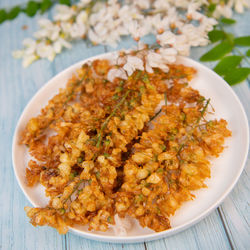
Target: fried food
[96,155]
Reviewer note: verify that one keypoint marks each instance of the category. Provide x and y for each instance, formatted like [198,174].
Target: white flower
[240,4]
[94,37]
[160,24]
[49,30]
[83,3]
[82,17]
[195,35]
[27,60]
[166,38]
[107,21]
[60,44]
[161,5]
[116,73]
[222,10]
[29,46]
[78,30]
[143,4]
[138,29]
[192,12]
[44,50]
[66,27]
[122,225]
[133,63]
[181,45]
[168,54]
[207,24]
[154,60]
[64,13]
[160,59]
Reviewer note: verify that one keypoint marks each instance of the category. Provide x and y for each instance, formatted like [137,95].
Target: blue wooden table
[226,228]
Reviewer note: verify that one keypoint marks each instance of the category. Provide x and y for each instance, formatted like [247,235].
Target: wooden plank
[79,243]
[235,211]
[208,234]
[17,86]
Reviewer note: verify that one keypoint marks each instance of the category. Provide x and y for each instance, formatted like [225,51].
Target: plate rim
[154,235]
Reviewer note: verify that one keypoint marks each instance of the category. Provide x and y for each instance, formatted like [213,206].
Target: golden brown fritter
[95,155]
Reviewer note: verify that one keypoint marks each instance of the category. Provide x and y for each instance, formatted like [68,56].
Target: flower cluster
[225,8]
[177,25]
[143,58]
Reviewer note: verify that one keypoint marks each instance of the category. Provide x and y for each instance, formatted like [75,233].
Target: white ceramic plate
[225,170]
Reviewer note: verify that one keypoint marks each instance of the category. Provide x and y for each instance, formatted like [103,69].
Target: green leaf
[230,37]
[45,5]
[242,41]
[237,75]
[226,64]
[228,21]
[31,8]
[248,53]
[66,2]
[14,12]
[216,35]
[3,15]
[211,7]
[217,52]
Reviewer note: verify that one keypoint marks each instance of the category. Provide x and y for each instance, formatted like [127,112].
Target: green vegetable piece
[163,147]
[237,75]
[140,197]
[109,220]
[183,116]
[201,99]
[242,41]
[158,210]
[115,97]
[216,35]
[31,8]
[3,15]
[62,210]
[45,5]
[155,158]
[138,75]
[97,174]
[107,142]
[145,78]
[228,20]
[90,181]
[79,160]
[226,64]
[106,154]
[159,170]
[14,12]
[73,175]
[142,89]
[217,52]
[248,53]
[165,99]
[171,137]
[119,89]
